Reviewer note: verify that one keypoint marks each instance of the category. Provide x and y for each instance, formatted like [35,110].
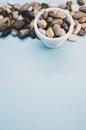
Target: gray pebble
[19,24]
[3,27]
[24,33]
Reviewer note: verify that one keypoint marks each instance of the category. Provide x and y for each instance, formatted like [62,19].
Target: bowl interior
[51,10]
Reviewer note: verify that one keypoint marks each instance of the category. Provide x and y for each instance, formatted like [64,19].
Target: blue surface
[41,88]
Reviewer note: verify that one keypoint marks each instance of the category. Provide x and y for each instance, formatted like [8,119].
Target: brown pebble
[42,31]
[15,14]
[17,6]
[4,20]
[14,32]
[1,10]
[19,24]
[32,24]
[81,32]
[42,23]
[69,4]
[50,33]
[81,2]
[83,9]
[45,14]
[25,7]
[57,29]
[78,15]
[82,20]
[3,27]
[62,32]
[57,21]
[62,6]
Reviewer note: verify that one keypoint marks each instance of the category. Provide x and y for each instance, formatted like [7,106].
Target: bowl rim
[54,9]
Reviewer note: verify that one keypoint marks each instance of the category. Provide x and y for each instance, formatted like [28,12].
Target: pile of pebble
[53,24]
[18,20]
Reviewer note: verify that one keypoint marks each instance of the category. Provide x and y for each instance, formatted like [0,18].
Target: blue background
[41,88]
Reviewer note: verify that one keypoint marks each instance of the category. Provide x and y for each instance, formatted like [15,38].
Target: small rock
[15,14]
[6,32]
[82,20]
[62,6]
[17,6]
[52,5]
[42,31]
[49,20]
[32,24]
[12,22]
[67,21]
[78,15]
[50,33]
[24,33]
[10,2]
[1,10]
[5,14]
[19,24]
[14,32]
[81,2]
[58,14]
[42,23]
[44,5]
[20,17]
[45,14]
[35,12]
[30,8]
[36,6]
[78,28]
[75,23]
[72,13]
[7,10]
[26,20]
[83,9]
[81,32]
[25,7]
[61,15]
[57,29]
[1,17]
[57,21]
[69,4]
[5,20]
[83,25]
[7,6]
[74,8]
[32,33]
[27,14]
[65,26]
[72,38]
[62,32]
[3,27]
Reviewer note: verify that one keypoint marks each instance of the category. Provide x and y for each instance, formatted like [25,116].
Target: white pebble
[78,28]
[72,38]
[30,8]
[20,17]
[11,2]
[42,31]
[42,23]
[74,8]
[50,33]
[1,17]
[52,5]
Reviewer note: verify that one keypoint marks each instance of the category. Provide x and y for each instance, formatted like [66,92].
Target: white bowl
[53,42]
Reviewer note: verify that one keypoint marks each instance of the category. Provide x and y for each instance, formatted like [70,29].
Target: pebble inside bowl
[54,42]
